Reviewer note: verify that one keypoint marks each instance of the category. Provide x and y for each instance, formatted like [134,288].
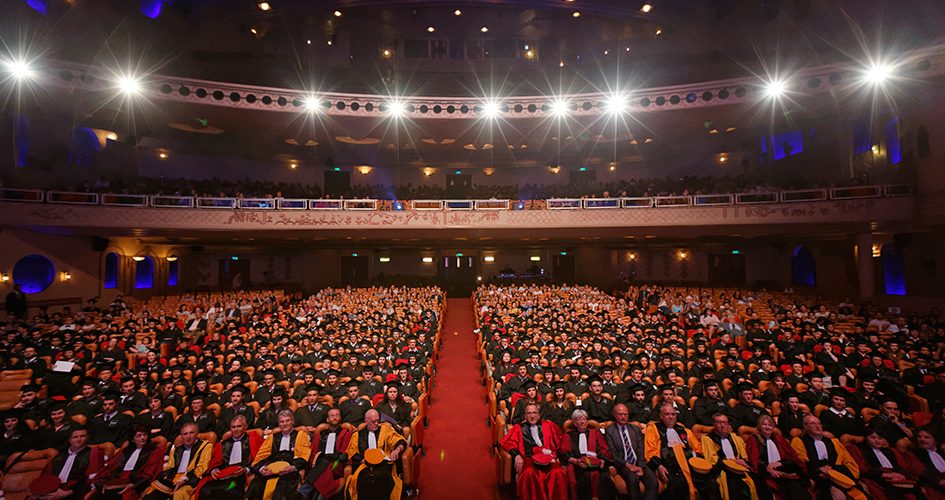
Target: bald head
[621,414]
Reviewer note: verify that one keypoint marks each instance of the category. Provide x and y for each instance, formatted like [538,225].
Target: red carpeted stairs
[458,463]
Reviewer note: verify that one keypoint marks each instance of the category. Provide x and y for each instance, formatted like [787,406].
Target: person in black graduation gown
[111,426]
[16,435]
[559,409]
[837,420]
[598,407]
[236,405]
[311,413]
[58,427]
[354,408]
[639,407]
[791,416]
[206,421]
[156,419]
[394,406]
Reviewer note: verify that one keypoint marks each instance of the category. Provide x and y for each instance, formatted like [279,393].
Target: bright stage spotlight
[311,104]
[20,69]
[616,104]
[775,89]
[559,108]
[129,85]
[396,108]
[877,74]
[490,110]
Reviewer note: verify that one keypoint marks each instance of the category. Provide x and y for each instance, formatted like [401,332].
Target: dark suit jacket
[615,443]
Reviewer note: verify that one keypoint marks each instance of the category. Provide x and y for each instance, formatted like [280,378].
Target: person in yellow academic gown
[280,461]
[720,445]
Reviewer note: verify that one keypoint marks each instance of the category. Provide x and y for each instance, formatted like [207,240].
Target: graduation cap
[238,388]
[594,378]
[745,386]
[636,387]
[367,368]
[280,391]
[16,413]
[839,392]
[667,387]
[530,384]
[353,383]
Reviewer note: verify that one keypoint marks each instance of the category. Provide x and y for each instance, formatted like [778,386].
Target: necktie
[629,454]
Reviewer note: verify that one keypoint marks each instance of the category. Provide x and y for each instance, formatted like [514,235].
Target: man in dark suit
[16,303]
[630,460]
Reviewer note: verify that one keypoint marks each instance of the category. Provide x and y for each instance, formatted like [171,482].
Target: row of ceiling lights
[265,6]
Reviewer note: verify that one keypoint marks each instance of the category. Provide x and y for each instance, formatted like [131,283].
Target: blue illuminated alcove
[34,273]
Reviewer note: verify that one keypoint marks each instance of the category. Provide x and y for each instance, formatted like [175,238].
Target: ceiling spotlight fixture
[775,89]
[253,30]
[387,53]
[430,29]
[163,155]
[171,258]
[309,42]
[490,110]
[646,8]
[138,258]
[293,165]
[659,31]
[457,12]
[20,69]
[616,104]
[396,108]
[264,6]
[530,54]
[576,13]
[337,13]
[877,73]
[129,85]
[559,108]
[561,63]
[484,29]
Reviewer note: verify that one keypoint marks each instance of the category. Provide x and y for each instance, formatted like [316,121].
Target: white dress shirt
[330,443]
[371,440]
[727,449]
[883,461]
[284,444]
[132,460]
[937,460]
[184,461]
[821,449]
[236,454]
[672,438]
[535,437]
[773,454]
[67,467]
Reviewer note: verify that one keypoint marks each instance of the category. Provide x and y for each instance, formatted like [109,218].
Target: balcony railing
[165,201]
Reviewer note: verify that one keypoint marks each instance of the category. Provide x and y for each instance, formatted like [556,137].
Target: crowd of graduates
[710,393]
[249,394]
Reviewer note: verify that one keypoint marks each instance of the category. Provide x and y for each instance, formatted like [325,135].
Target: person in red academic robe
[235,450]
[883,470]
[775,463]
[534,446]
[927,462]
[134,467]
[72,468]
[584,452]
[329,442]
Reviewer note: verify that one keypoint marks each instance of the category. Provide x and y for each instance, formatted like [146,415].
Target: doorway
[458,275]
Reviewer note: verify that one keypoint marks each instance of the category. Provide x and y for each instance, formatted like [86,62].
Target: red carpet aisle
[458,464]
